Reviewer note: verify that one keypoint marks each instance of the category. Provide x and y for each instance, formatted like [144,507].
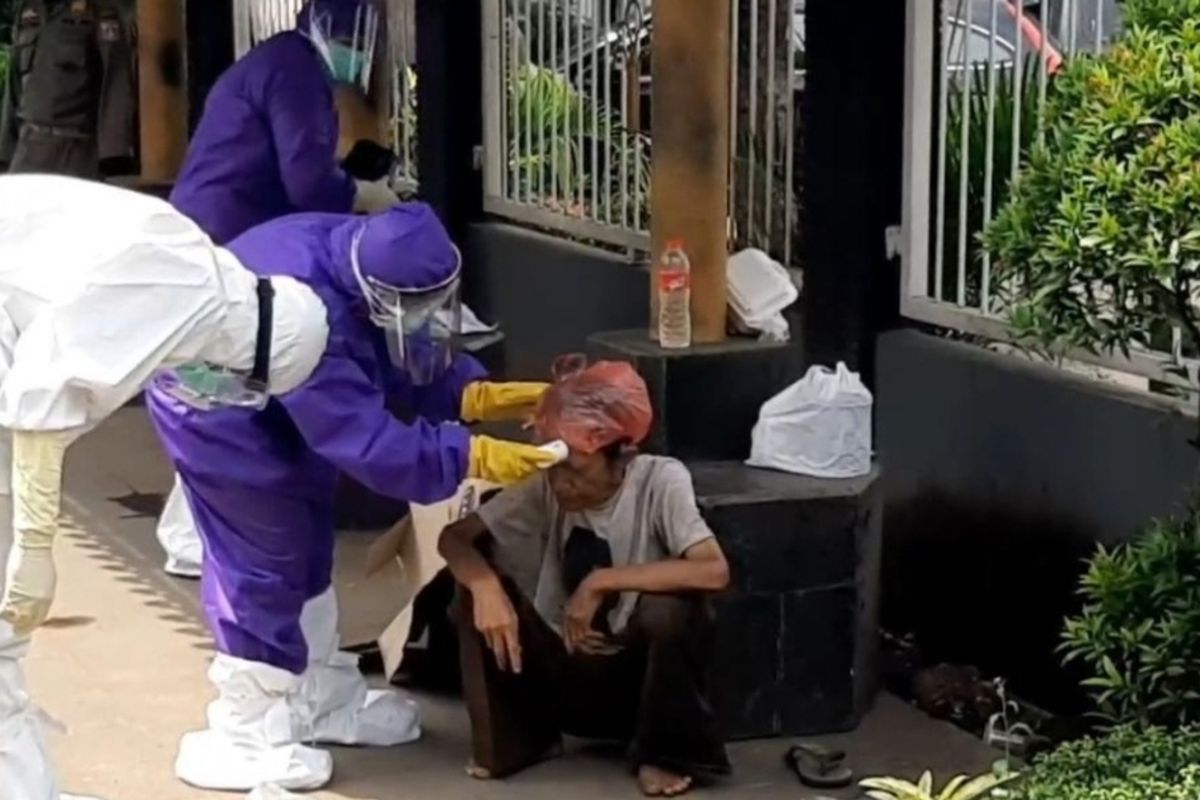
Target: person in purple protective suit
[266,144]
[261,487]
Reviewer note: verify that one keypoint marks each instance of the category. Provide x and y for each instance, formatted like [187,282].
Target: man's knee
[664,617]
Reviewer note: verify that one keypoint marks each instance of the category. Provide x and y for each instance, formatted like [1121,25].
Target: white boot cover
[343,710]
[250,739]
[26,771]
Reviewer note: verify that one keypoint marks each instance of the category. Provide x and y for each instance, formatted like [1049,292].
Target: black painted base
[706,398]
[797,635]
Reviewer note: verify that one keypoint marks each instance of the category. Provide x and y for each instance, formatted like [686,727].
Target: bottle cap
[674,244]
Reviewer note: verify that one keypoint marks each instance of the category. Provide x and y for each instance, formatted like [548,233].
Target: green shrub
[1139,632]
[1160,14]
[551,161]
[1126,764]
[1099,246]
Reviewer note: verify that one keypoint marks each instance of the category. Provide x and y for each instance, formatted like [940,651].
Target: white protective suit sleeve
[136,286]
[371,197]
[31,578]
[8,340]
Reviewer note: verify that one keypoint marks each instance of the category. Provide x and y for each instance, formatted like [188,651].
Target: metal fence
[977,77]
[566,142]
[766,88]
[257,20]
[568,93]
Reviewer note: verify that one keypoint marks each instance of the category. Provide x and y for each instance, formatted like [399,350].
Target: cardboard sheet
[412,543]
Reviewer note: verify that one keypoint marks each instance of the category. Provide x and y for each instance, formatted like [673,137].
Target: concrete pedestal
[797,636]
[706,398]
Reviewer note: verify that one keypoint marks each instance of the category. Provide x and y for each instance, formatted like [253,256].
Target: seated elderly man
[585,607]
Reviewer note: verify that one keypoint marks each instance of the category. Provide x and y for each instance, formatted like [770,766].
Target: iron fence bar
[790,156]
[989,167]
[523,88]
[494,162]
[581,143]
[608,111]
[537,84]
[752,133]
[939,201]
[1043,79]
[964,165]
[549,96]
[772,105]
[1018,92]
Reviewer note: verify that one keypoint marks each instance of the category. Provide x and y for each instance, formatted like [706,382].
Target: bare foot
[656,782]
[484,774]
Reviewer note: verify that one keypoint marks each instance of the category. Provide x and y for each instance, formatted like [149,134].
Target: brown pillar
[358,118]
[162,88]
[689,193]
[365,115]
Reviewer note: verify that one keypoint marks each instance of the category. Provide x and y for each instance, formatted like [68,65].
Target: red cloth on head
[593,407]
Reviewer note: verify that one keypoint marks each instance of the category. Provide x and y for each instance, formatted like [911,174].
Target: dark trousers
[54,153]
[651,695]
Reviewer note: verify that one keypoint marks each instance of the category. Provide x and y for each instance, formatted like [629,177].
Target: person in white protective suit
[100,289]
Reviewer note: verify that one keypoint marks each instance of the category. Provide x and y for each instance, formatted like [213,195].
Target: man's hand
[496,619]
[578,614]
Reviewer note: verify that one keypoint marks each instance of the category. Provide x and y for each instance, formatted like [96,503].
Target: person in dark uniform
[70,96]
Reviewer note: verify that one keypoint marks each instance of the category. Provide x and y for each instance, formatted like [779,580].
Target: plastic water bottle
[674,297]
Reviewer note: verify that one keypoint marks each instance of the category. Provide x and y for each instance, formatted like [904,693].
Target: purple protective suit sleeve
[440,401]
[342,416]
[304,128]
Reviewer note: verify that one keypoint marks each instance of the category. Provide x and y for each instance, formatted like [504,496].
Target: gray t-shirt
[652,517]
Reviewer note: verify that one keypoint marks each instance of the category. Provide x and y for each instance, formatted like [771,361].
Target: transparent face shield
[349,58]
[421,326]
[425,340]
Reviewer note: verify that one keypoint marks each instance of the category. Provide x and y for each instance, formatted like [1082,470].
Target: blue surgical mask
[345,63]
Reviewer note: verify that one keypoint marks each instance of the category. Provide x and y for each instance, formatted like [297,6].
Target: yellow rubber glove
[484,401]
[37,500]
[506,463]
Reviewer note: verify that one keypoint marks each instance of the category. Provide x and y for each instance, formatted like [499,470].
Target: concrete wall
[548,294]
[1000,476]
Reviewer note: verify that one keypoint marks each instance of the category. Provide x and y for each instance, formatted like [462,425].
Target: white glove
[373,197]
[37,499]
[32,579]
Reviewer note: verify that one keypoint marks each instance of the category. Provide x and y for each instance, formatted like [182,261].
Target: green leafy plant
[1126,764]
[960,787]
[1138,634]
[569,149]
[1099,245]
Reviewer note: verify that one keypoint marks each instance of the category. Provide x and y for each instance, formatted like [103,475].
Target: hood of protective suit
[343,15]
[406,247]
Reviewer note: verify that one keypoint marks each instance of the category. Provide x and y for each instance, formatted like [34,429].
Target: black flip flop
[819,767]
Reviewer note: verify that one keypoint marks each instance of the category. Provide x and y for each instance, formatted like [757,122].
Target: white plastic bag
[820,425]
